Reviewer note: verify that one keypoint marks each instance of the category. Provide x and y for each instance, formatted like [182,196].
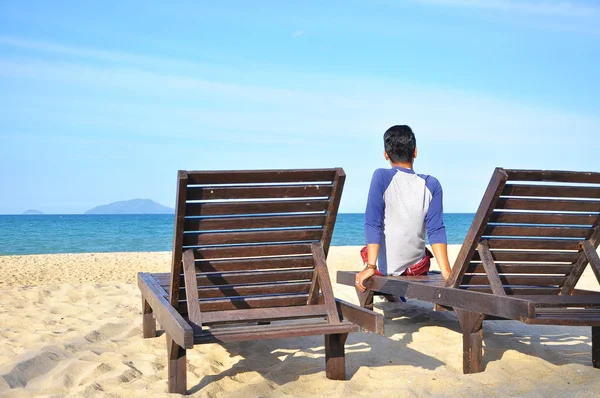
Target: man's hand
[362,276]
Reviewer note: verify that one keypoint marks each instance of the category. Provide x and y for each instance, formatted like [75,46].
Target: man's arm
[372,253]
[440,252]
[436,230]
[373,227]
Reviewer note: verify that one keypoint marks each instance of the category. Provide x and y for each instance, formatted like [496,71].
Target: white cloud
[543,7]
[297,34]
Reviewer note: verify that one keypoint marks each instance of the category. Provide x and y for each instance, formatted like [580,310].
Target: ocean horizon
[87,233]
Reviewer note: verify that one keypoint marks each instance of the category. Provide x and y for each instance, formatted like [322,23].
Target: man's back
[403,206]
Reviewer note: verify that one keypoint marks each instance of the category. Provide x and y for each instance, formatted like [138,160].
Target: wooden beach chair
[530,241]
[249,263]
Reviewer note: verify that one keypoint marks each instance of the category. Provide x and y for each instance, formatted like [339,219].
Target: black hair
[400,143]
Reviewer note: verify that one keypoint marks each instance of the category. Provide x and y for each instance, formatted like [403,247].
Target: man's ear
[385,155]
[415,154]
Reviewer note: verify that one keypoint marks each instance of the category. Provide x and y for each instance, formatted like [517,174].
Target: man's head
[400,144]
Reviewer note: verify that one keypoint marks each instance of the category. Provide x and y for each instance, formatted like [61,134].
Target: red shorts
[420,268]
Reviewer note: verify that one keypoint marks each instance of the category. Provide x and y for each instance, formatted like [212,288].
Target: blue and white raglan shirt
[401,207]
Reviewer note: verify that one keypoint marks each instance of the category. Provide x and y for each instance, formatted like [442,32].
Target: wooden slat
[369,321]
[258,192]
[191,288]
[513,290]
[485,209]
[555,232]
[566,317]
[266,207]
[490,269]
[180,209]
[253,251]
[507,307]
[542,218]
[274,332]
[218,238]
[592,256]
[236,303]
[549,191]
[581,262]
[233,223]
[332,209]
[547,256]
[526,268]
[548,204]
[526,280]
[563,301]
[554,176]
[253,264]
[260,176]
[249,290]
[325,282]
[265,314]
[165,313]
[525,243]
[236,278]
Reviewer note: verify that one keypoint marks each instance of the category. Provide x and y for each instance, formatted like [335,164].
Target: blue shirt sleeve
[375,209]
[436,230]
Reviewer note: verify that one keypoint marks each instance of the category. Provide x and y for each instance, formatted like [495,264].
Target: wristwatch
[371,266]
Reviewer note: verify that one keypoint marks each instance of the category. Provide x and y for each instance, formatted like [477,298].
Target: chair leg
[596,346]
[365,299]
[335,357]
[472,328]
[148,321]
[176,367]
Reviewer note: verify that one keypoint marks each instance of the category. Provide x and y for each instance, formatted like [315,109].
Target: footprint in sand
[106,332]
[31,368]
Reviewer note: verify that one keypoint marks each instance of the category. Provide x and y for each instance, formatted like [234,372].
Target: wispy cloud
[297,34]
[326,121]
[541,7]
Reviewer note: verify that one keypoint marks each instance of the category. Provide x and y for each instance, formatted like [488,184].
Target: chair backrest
[529,232]
[251,234]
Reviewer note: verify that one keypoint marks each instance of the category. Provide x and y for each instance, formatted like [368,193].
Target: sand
[70,325]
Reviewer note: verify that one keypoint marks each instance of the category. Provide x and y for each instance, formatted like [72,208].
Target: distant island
[133,206]
[32,211]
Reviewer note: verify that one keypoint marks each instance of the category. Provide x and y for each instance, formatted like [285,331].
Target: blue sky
[104,101]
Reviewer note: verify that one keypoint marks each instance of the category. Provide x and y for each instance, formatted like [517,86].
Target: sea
[79,233]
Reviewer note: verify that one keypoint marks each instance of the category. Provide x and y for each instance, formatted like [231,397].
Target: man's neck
[403,165]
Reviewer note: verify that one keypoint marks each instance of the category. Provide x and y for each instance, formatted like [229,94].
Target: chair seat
[566,316]
[272,331]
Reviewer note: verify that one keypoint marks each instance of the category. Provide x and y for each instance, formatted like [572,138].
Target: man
[401,207]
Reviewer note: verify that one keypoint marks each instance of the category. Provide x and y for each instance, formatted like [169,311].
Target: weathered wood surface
[554,176]
[248,263]
[257,192]
[478,225]
[191,288]
[148,321]
[366,319]
[241,223]
[259,332]
[265,314]
[176,367]
[471,324]
[596,346]
[180,209]
[260,176]
[180,331]
[335,359]
[490,270]
[506,307]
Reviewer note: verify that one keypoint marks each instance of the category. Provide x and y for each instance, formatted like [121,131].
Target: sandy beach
[71,326]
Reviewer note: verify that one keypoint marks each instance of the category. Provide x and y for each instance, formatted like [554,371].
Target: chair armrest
[369,321]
